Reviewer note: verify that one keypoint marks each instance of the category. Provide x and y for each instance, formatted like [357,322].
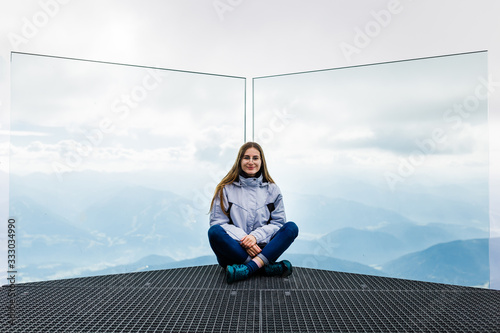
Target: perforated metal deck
[197,299]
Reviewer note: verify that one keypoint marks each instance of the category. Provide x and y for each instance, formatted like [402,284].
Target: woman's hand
[249,243]
[254,250]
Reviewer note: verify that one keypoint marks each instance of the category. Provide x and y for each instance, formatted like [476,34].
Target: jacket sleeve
[218,217]
[264,233]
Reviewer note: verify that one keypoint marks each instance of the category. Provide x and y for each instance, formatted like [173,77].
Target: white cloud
[353,134]
[23,133]
[77,156]
[367,119]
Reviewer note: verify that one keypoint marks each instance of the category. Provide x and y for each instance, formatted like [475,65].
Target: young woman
[248,228]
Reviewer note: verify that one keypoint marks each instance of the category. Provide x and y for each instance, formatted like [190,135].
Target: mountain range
[109,226]
[462,262]
[391,240]
[459,263]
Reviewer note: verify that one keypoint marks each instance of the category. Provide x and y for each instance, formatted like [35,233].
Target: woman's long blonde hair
[235,171]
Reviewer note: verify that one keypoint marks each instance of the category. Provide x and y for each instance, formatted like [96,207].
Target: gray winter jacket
[249,213]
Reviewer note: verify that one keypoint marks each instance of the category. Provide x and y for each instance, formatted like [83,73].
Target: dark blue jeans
[230,252]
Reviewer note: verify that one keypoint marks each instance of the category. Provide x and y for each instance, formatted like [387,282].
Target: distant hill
[130,223]
[389,241]
[65,232]
[363,246]
[454,203]
[320,214]
[458,262]
[145,264]
[199,261]
[153,263]
[464,262]
[299,260]
[329,263]
[44,237]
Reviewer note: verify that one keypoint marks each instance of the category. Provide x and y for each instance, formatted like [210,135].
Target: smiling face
[251,162]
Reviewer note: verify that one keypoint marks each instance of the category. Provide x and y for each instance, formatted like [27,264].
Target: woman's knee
[215,232]
[292,229]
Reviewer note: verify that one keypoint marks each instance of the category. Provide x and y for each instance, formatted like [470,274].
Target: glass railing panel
[384,167]
[112,167]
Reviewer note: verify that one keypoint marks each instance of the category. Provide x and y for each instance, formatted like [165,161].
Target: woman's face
[250,164]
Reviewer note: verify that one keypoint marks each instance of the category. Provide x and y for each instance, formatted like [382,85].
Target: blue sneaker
[236,273]
[281,268]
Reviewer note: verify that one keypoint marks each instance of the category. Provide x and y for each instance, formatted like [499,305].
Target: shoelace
[276,268]
[240,271]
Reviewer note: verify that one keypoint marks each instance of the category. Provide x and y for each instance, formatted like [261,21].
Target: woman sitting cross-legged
[248,228]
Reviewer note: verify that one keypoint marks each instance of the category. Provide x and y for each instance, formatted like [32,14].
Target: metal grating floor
[197,299]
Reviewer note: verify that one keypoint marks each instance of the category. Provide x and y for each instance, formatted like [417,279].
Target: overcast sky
[84,115]
[120,118]
[371,117]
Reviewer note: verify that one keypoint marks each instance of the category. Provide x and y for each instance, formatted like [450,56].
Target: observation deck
[197,299]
